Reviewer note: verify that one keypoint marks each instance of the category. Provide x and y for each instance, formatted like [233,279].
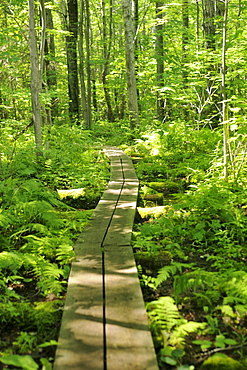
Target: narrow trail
[104,324]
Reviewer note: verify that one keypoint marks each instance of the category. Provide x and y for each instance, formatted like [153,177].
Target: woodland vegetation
[166,82]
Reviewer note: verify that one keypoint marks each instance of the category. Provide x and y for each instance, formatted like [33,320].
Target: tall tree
[224,94]
[35,80]
[209,27]
[50,64]
[71,48]
[159,51]
[106,56]
[185,40]
[88,64]
[130,62]
[82,64]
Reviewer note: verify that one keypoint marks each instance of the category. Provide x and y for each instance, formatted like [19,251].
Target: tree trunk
[185,41]
[35,80]
[159,49]
[106,56]
[50,65]
[224,94]
[130,63]
[88,65]
[209,23]
[71,48]
[82,64]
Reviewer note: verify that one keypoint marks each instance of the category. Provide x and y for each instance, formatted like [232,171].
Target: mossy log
[71,193]
[79,198]
[154,212]
[166,187]
[221,362]
[153,199]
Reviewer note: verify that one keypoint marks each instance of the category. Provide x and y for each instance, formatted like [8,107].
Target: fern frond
[180,332]
[65,254]
[165,272]
[163,313]
[11,261]
[193,280]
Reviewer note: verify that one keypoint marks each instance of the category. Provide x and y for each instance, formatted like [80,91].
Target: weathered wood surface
[104,324]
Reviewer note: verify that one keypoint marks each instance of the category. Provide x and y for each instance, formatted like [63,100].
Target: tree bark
[71,48]
[159,50]
[50,65]
[106,56]
[224,94]
[130,63]
[82,64]
[35,80]
[185,41]
[209,23]
[88,64]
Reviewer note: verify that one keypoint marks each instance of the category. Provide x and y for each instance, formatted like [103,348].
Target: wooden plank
[128,338]
[113,191]
[120,229]
[81,333]
[129,191]
[129,171]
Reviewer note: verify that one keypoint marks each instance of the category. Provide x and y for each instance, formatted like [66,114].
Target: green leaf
[46,364]
[230,341]
[47,344]
[24,362]
[169,360]
[177,353]
[203,343]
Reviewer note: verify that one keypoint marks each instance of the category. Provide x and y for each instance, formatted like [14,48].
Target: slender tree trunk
[71,48]
[197,27]
[82,64]
[50,65]
[88,65]
[136,46]
[106,56]
[130,63]
[224,94]
[159,49]
[35,80]
[209,23]
[185,41]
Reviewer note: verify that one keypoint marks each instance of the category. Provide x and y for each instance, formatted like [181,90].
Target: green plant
[169,328]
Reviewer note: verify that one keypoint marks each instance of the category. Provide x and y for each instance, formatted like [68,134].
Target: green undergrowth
[37,233]
[191,254]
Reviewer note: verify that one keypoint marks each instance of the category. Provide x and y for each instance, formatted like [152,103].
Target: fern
[65,254]
[10,261]
[165,272]
[163,313]
[166,321]
[193,280]
[177,337]
[48,274]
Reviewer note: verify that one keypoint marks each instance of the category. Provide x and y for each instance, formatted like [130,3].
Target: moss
[153,200]
[152,262]
[79,198]
[153,212]
[221,362]
[166,187]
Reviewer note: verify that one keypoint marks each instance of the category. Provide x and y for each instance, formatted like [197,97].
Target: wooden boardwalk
[104,325]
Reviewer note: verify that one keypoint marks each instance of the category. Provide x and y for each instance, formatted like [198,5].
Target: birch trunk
[35,80]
